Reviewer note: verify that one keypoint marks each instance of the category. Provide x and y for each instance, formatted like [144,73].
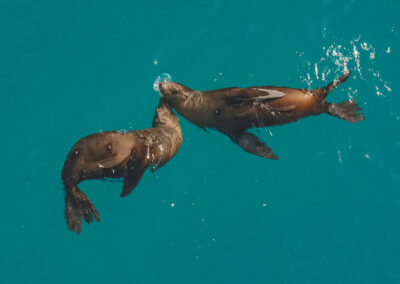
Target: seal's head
[174,93]
[164,115]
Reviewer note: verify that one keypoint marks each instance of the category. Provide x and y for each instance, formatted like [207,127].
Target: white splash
[372,55]
[164,77]
[384,83]
[378,92]
[365,46]
[356,57]
[358,53]
[316,70]
[387,87]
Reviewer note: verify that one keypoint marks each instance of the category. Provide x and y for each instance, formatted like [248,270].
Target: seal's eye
[216,112]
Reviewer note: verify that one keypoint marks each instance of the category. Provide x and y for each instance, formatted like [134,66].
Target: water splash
[164,77]
[356,53]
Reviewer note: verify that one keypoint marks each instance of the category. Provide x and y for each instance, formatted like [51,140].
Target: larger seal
[234,110]
[113,154]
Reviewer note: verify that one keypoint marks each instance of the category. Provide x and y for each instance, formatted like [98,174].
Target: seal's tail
[78,206]
[346,110]
[324,91]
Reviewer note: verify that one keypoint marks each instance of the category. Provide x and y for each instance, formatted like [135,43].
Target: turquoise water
[326,212]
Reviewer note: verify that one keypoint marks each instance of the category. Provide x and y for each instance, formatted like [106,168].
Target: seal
[234,110]
[113,154]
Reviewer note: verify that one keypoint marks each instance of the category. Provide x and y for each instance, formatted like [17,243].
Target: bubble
[339,156]
[164,77]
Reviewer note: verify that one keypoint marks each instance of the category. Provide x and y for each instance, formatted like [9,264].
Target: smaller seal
[232,111]
[113,154]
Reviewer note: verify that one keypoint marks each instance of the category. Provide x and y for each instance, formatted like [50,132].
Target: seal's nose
[161,86]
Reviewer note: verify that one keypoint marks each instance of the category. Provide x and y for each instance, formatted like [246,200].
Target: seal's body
[234,110]
[113,154]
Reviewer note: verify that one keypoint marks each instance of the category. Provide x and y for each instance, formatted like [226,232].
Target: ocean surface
[326,212]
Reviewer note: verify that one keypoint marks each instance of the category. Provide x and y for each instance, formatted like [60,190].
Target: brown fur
[113,154]
[234,110]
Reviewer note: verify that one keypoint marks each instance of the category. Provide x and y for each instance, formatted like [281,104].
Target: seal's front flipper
[264,93]
[135,169]
[253,96]
[251,144]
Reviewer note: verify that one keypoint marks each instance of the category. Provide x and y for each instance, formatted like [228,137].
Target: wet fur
[234,110]
[113,154]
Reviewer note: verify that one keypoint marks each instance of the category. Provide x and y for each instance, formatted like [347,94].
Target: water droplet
[339,156]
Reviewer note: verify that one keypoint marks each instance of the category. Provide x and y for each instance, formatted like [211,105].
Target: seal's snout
[173,92]
[162,87]
[167,88]
[165,77]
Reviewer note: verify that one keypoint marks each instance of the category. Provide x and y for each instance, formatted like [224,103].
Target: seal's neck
[165,116]
[191,101]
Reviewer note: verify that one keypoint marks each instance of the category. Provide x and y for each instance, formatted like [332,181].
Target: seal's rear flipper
[346,110]
[251,144]
[323,92]
[78,206]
